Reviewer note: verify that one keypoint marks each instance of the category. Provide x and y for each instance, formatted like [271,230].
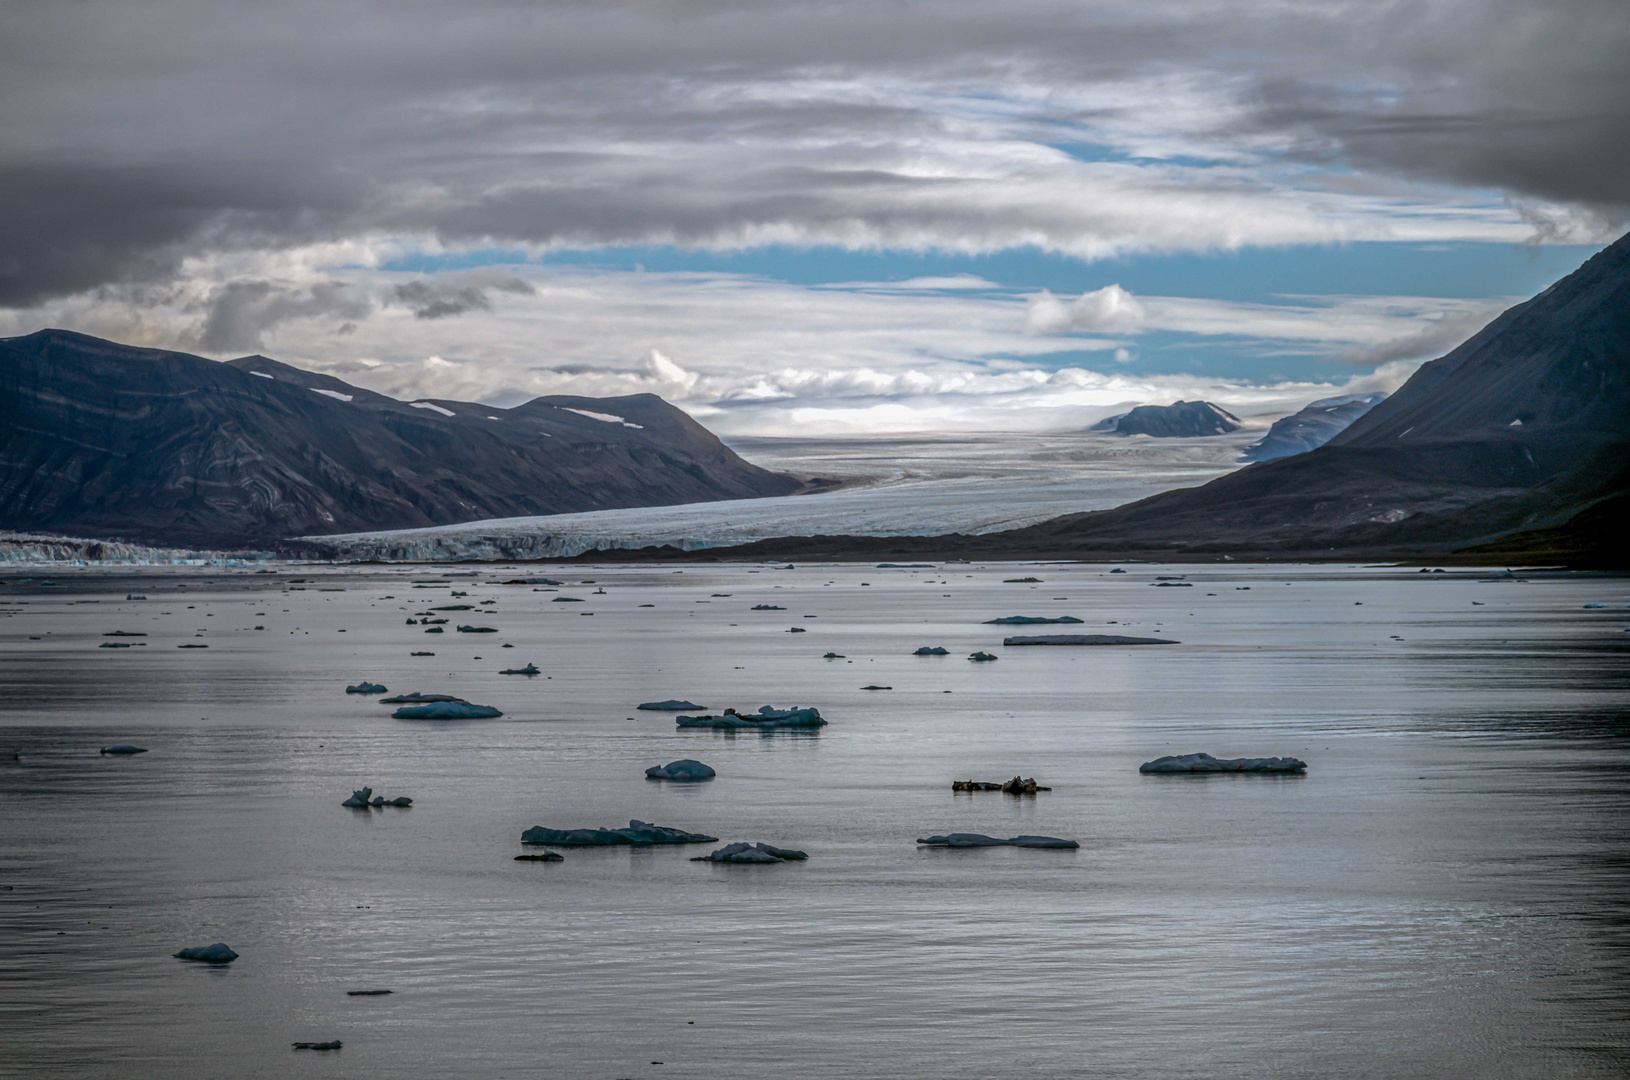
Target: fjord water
[1446,892]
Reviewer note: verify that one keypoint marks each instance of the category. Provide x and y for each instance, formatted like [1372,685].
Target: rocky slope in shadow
[105,440]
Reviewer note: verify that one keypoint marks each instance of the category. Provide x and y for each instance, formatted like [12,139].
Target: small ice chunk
[752,853]
[936,650]
[969,840]
[446,710]
[671,705]
[685,770]
[1029,620]
[530,669]
[366,688]
[638,832]
[981,656]
[1205,763]
[1086,639]
[124,748]
[217,953]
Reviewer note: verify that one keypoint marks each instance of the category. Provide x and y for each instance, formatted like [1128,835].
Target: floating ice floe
[217,953]
[124,748]
[638,832]
[446,710]
[1205,763]
[936,650]
[530,669]
[982,656]
[1087,639]
[671,705]
[969,840]
[767,718]
[1019,785]
[332,1044]
[1030,620]
[542,856]
[1021,581]
[768,607]
[752,853]
[417,698]
[477,630]
[685,770]
[365,688]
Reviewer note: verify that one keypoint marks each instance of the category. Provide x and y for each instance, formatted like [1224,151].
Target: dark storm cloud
[241,311]
[439,299]
[135,136]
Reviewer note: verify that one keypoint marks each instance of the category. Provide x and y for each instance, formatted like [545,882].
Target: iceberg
[123,748]
[752,853]
[937,650]
[1087,639]
[767,718]
[671,705]
[217,953]
[530,669]
[981,656]
[638,832]
[685,770]
[359,799]
[365,688]
[968,840]
[1205,763]
[1030,620]
[446,710]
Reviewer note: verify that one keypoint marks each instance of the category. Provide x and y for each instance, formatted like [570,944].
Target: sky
[814,217]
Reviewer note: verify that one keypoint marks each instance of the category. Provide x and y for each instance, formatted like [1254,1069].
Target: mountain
[1179,420]
[1312,426]
[1523,427]
[1513,447]
[104,440]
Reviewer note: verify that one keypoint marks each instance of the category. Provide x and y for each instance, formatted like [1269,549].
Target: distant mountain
[1513,447]
[1311,427]
[1523,427]
[105,440]
[1179,420]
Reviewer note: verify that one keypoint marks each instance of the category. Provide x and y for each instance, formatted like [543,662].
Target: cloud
[1110,309]
[160,135]
[456,294]
[751,355]
[239,313]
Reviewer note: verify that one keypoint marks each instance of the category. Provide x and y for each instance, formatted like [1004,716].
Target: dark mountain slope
[1311,427]
[104,440]
[1523,426]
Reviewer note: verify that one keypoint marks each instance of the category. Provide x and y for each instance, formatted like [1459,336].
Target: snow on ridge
[603,417]
[335,394]
[432,408]
[262,374]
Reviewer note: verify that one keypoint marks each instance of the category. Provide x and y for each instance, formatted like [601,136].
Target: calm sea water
[1445,893]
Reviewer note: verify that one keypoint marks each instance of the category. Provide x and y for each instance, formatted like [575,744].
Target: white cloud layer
[750,355]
